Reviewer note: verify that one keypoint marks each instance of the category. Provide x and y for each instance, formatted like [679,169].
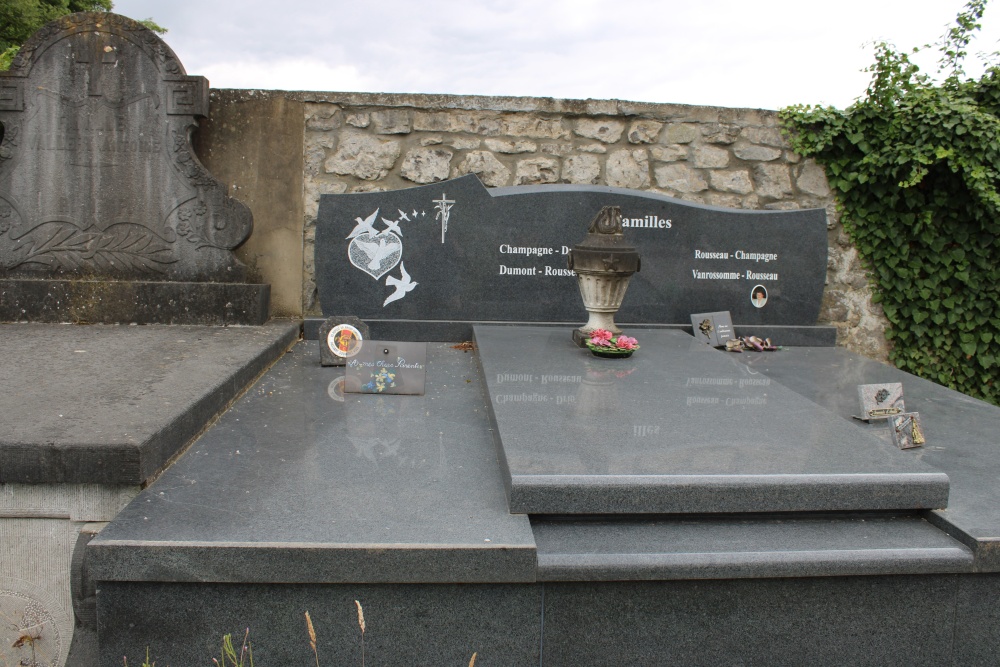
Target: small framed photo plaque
[713,328]
[387,367]
[880,401]
[906,430]
[340,338]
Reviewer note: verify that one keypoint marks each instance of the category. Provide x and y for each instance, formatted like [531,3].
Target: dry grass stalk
[312,637]
[472,663]
[361,624]
[361,617]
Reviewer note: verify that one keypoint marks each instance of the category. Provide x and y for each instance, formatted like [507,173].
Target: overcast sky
[760,54]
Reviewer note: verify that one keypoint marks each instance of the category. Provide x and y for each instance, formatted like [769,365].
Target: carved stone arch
[102,161]
[65,26]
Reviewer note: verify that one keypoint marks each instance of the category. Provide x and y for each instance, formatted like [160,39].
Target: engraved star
[611,263]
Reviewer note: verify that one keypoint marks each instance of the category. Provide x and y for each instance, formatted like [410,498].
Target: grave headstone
[98,178]
[457,251]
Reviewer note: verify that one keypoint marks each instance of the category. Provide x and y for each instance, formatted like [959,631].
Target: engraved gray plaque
[712,328]
[387,367]
[881,401]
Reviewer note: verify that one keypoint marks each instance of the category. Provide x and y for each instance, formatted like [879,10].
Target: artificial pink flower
[600,342]
[626,343]
[602,334]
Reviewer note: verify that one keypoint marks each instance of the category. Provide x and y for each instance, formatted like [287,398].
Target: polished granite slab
[112,404]
[297,501]
[977,635]
[406,624]
[880,621]
[894,621]
[740,547]
[299,482]
[963,433]
[678,428]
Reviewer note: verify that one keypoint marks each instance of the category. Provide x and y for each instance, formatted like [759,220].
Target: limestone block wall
[357,142]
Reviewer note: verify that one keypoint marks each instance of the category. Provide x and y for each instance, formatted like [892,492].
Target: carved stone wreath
[29,634]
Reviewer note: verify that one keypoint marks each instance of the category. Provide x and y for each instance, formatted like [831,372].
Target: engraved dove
[403,285]
[376,251]
[392,226]
[365,226]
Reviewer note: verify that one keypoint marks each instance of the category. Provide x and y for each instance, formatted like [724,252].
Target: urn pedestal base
[602,297]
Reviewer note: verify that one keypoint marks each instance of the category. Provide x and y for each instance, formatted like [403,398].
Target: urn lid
[604,248]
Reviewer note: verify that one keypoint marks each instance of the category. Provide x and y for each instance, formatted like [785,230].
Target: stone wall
[356,142]
[252,142]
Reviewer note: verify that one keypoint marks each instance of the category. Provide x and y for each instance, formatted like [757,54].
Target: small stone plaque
[880,401]
[340,338]
[906,430]
[713,328]
[387,367]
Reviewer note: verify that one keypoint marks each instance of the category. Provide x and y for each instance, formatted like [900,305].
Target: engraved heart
[375,254]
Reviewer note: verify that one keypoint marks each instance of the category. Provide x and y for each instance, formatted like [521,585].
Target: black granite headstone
[97,174]
[459,252]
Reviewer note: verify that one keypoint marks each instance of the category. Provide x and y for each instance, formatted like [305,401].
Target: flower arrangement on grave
[751,343]
[605,344]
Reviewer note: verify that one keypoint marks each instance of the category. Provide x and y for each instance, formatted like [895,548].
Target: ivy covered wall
[915,165]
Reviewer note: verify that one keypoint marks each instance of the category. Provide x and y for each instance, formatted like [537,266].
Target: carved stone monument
[98,180]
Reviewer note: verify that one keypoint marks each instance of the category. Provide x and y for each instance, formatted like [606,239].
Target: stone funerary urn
[97,174]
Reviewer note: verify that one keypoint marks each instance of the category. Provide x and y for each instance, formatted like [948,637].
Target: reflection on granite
[963,433]
[296,467]
[679,427]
